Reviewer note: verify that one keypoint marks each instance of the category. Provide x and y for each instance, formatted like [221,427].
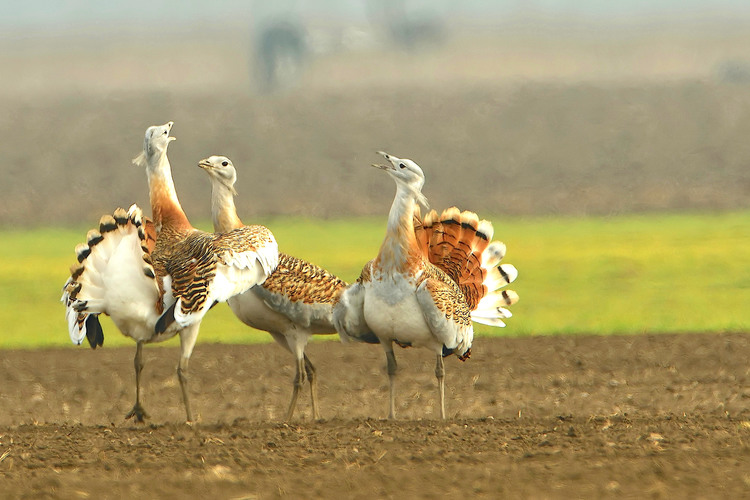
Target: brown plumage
[303,281]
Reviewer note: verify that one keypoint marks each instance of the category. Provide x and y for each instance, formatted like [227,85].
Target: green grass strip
[601,275]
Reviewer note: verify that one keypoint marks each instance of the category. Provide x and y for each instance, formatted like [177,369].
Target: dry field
[556,417]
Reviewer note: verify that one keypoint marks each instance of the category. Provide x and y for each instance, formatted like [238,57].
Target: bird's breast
[392,312]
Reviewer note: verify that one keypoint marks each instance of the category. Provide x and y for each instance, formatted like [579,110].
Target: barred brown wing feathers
[446,311]
[243,239]
[366,274]
[192,267]
[206,268]
[302,281]
[447,295]
[149,230]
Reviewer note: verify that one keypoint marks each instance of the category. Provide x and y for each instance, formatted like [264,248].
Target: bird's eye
[224,163]
[401,165]
[166,132]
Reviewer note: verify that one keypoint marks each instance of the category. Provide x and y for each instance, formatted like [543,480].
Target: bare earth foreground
[548,417]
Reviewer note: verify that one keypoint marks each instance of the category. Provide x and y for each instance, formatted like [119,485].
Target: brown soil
[556,417]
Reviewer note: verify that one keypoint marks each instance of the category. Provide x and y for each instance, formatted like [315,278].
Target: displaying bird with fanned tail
[294,303]
[429,281]
[157,279]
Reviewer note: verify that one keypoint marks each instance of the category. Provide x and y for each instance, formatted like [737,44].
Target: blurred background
[511,107]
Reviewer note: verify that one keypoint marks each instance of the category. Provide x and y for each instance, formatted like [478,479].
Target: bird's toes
[138,414]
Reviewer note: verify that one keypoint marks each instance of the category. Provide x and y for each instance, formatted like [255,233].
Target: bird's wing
[114,275]
[446,312]
[349,314]
[207,268]
[301,291]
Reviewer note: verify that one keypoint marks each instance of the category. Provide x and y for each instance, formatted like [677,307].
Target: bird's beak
[169,126]
[204,164]
[384,167]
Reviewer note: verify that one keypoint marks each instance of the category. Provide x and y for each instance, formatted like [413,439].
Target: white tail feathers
[499,276]
[485,227]
[491,310]
[113,274]
[493,254]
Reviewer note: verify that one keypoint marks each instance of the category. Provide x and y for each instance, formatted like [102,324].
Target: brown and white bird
[294,303]
[429,281]
[158,279]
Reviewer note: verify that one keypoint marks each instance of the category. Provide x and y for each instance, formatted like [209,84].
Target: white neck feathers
[223,210]
[400,244]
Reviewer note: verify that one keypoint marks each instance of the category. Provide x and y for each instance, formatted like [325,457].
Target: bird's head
[155,143]
[406,173]
[221,170]
[403,171]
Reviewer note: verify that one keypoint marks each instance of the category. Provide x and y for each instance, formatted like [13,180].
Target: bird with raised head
[429,281]
[157,279]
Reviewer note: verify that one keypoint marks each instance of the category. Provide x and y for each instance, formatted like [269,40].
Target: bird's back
[303,292]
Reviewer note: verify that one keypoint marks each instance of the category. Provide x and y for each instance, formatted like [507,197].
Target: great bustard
[296,300]
[429,281]
[154,290]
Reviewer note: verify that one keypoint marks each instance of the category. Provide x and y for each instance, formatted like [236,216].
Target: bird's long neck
[165,207]
[399,251]
[223,210]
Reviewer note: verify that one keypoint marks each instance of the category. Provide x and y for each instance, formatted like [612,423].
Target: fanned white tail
[491,309]
[114,276]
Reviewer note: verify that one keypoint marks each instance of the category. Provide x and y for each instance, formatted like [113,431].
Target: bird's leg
[138,412]
[440,374]
[188,336]
[182,368]
[390,360]
[310,370]
[299,381]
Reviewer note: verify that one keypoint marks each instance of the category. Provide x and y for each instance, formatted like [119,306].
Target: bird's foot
[138,412]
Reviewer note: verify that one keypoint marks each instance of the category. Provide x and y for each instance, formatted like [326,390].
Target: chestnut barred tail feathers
[113,275]
[459,243]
